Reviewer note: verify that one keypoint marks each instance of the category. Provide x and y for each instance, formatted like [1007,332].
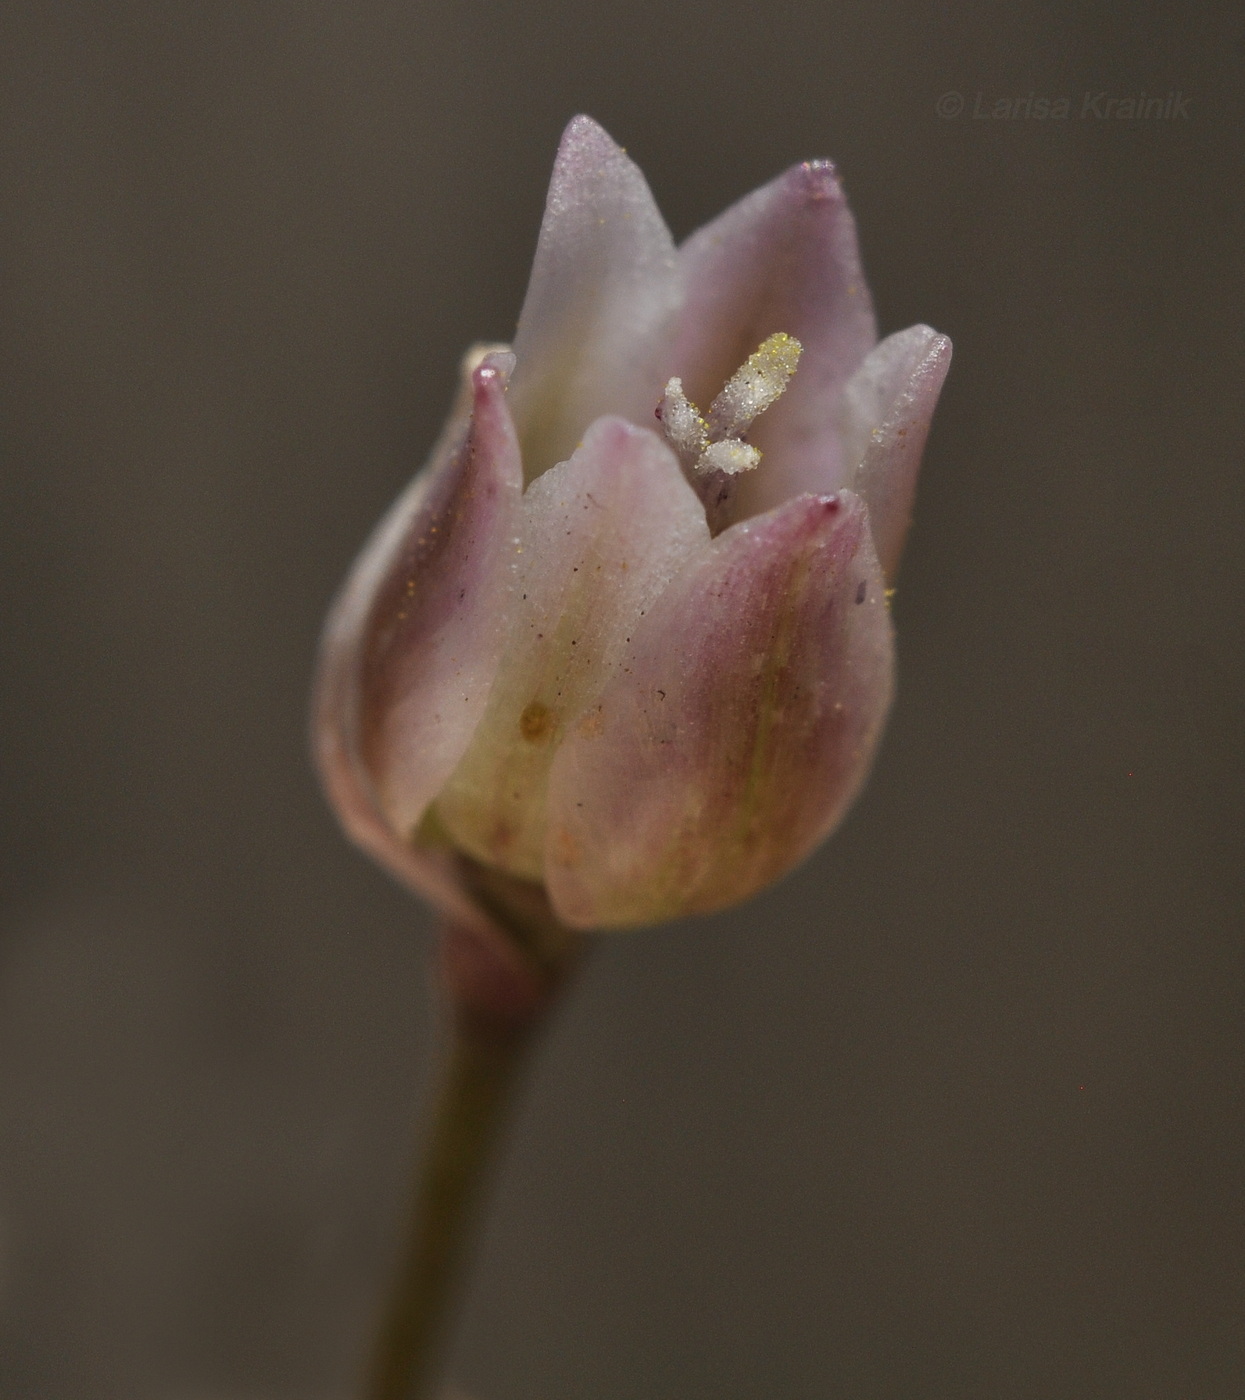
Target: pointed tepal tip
[583,137]
[495,368]
[817,181]
[588,162]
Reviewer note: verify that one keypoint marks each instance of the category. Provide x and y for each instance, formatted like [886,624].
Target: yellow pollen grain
[536,722]
[779,354]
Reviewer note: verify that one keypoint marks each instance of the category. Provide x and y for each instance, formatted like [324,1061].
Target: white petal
[595,327]
[602,536]
[886,410]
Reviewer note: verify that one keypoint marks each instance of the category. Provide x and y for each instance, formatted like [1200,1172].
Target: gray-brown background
[956,1111]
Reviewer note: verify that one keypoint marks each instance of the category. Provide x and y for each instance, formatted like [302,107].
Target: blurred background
[957,1111]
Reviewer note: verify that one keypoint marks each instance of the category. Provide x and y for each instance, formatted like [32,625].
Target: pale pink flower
[615,657]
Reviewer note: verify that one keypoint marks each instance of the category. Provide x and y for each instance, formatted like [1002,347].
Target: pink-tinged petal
[600,304]
[603,534]
[738,728]
[412,644]
[887,406]
[784,258]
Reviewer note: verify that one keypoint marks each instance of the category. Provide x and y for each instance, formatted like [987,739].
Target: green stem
[500,991]
[469,1112]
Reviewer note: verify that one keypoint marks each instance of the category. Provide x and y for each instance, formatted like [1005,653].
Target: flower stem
[500,993]
[479,1078]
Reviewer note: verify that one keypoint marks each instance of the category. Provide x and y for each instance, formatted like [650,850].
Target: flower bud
[630,655]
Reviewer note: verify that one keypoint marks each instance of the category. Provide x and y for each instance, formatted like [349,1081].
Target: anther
[686,431]
[717,445]
[755,385]
[714,453]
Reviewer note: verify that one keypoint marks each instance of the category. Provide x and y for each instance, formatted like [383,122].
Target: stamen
[717,445]
[758,383]
[713,453]
[686,431]
[730,456]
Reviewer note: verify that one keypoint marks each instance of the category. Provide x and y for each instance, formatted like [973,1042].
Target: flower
[628,655]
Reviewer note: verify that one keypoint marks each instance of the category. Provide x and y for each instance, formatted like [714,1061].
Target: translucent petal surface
[604,289]
[413,642]
[886,411]
[602,536]
[784,258]
[739,726]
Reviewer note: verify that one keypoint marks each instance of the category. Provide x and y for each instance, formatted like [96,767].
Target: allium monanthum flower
[625,638]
